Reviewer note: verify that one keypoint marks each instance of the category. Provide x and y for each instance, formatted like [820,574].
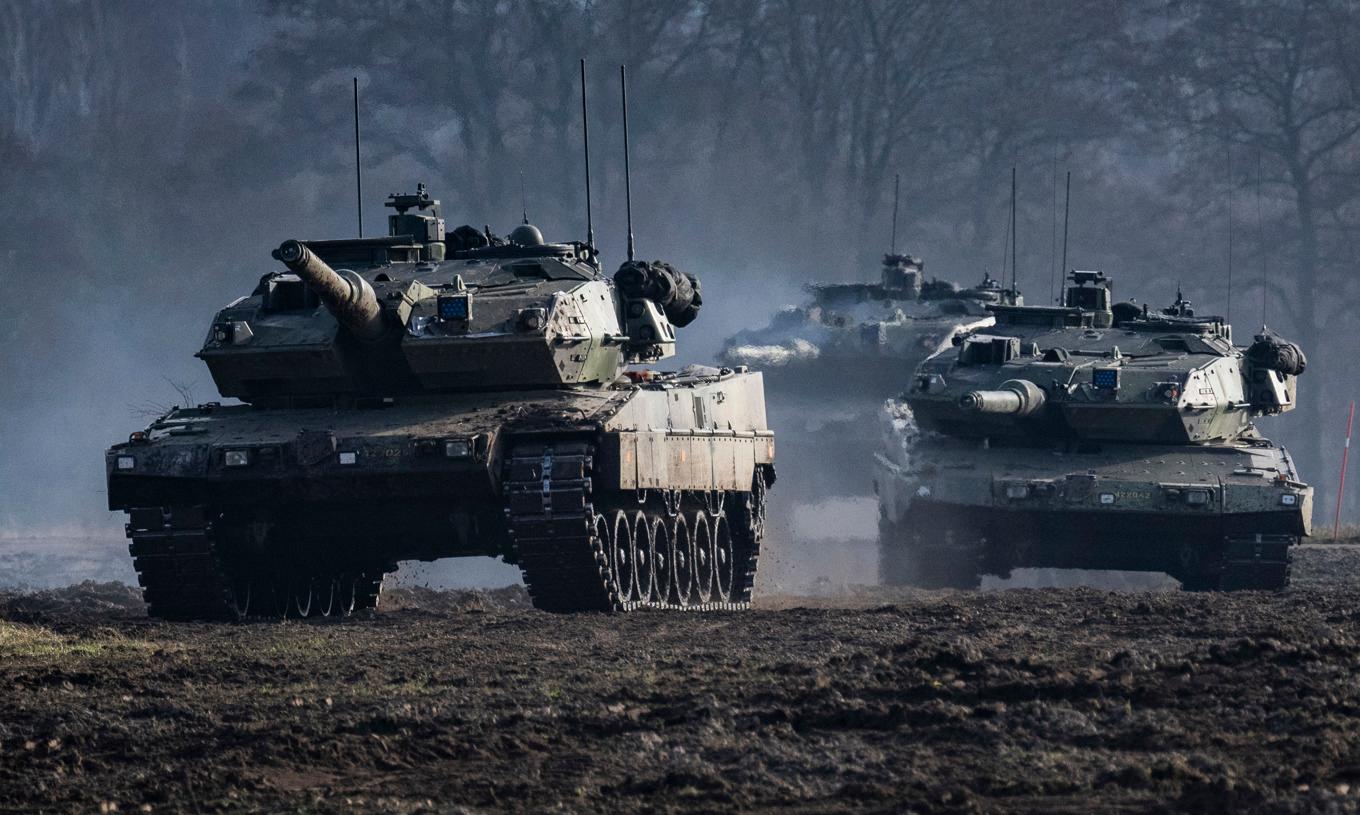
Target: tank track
[929,556]
[586,550]
[184,576]
[1248,563]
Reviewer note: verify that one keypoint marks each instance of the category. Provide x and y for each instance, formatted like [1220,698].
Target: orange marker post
[1345,457]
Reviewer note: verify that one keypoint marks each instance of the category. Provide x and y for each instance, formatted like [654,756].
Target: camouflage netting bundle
[676,293]
[1277,354]
[466,237]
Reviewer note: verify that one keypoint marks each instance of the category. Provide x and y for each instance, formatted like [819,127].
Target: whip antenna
[1228,316]
[1067,209]
[1053,234]
[1014,259]
[523,199]
[897,186]
[585,136]
[1261,239]
[358,171]
[627,176]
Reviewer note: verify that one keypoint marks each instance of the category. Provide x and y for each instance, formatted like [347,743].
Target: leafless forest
[152,151]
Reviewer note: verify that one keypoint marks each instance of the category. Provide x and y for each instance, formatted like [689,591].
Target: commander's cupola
[424,227]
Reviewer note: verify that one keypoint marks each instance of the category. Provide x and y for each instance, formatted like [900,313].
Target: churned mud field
[1055,700]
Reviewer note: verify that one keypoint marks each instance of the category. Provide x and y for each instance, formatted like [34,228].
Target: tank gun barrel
[347,296]
[1017,397]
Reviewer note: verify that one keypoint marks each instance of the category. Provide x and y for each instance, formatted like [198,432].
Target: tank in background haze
[830,363]
[1094,436]
[430,394]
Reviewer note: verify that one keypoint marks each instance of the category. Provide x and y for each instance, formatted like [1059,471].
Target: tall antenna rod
[585,134]
[1014,260]
[897,187]
[1005,250]
[1067,209]
[627,176]
[358,171]
[523,199]
[1053,233]
[1261,238]
[1228,315]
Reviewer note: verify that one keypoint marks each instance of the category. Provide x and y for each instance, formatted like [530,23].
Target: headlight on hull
[126,463]
[1289,499]
[458,448]
[1197,497]
[236,458]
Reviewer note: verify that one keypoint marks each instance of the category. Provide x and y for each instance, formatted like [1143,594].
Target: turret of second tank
[1096,371]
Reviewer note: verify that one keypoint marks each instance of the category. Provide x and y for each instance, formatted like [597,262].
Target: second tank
[1094,435]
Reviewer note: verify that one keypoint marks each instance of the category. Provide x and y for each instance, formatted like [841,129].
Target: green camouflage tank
[1096,436]
[427,395]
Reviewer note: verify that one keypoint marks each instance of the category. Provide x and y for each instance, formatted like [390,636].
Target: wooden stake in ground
[1341,486]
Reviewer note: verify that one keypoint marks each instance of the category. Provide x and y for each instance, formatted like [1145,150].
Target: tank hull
[1212,516]
[288,495]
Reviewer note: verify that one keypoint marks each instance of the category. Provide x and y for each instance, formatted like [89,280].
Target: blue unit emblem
[1106,378]
[455,307]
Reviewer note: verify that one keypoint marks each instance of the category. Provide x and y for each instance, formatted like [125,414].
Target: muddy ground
[1054,700]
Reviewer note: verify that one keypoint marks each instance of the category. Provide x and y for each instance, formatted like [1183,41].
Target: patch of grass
[18,640]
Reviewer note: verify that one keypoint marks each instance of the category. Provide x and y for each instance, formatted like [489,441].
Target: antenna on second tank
[897,187]
[1067,210]
[1014,259]
[523,200]
[627,177]
[358,168]
[585,136]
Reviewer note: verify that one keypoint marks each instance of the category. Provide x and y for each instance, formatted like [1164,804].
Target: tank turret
[420,311]
[346,295]
[1164,376]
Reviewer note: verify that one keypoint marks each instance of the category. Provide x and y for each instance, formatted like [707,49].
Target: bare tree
[1271,78]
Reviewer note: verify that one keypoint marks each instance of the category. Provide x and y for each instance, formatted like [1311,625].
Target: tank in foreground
[1095,437]
[427,395]
[830,363]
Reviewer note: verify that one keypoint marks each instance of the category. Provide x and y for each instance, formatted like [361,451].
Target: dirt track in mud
[1069,700]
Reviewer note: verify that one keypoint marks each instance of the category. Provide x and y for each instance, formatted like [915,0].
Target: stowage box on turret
[1096,436]
[425,395]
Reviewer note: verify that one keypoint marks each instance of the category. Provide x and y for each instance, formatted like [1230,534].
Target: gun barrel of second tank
[1016,397]
[347,296]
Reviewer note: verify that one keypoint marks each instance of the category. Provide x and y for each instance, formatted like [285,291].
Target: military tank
[830,363]
[428,394]
[1094,436]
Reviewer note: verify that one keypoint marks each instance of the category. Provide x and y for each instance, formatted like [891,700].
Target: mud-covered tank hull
[238,511]
[1212,516]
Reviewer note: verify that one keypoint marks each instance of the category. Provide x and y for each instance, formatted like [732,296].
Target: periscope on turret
[1094,435]
[424,395]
